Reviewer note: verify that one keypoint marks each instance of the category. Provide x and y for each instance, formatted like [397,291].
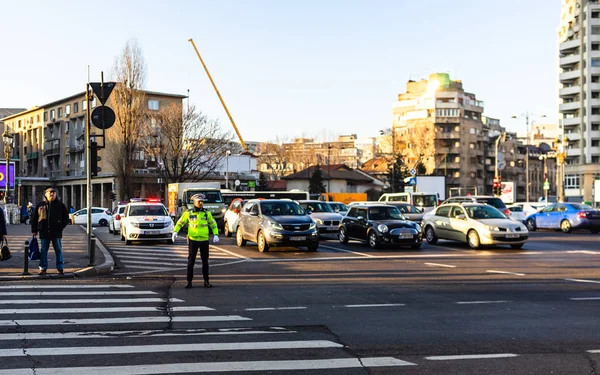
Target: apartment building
[463,140]
[579,95]
[49,150]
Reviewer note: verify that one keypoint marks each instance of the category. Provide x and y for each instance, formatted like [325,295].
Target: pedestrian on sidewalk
[49,219]
[3,231]
[199,220]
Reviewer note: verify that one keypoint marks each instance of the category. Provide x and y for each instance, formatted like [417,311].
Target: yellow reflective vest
[198,223]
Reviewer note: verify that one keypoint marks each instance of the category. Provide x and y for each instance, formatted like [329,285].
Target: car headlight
[382,228]
[319,221]
[523,227]
[313,225]
[135,224]
[223,210]
[275,225]
[493,228]
[418,227]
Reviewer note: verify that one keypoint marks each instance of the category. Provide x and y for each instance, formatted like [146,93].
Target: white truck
[432,184]
[179,195]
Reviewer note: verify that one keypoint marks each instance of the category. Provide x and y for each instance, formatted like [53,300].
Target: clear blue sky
[290,68]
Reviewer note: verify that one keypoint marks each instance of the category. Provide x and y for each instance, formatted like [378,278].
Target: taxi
[146,219]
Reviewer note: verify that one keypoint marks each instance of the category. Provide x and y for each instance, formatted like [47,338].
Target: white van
[423,201]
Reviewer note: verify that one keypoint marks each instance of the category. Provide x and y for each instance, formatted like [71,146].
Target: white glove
[216,239]
[174,237]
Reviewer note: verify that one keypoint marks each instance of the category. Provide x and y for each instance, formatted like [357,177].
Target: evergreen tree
[315,185]
[262,182]
[397,172]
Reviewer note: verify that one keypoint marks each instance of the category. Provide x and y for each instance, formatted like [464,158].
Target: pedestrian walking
[49,219]
[200,222]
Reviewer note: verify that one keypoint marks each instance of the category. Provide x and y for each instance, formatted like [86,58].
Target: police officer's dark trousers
[193,247]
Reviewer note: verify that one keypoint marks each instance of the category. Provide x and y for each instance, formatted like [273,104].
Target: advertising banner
[11,177]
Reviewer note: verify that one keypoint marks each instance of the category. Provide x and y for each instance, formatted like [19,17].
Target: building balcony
[447,120]
[568,60]
[446,105]
[569,46]
[450,165]
[573,152]
[451,135]
[52,151]
[570,76]
[76,148]
[572,106]
[571,121]
[569,91]
[32,155]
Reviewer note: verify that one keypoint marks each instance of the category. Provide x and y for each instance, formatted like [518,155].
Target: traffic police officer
[199,221]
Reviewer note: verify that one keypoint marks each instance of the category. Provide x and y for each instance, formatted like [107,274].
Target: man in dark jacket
[49,219]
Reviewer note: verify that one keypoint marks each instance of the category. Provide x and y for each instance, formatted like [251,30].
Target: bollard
[92,250]
[26,259]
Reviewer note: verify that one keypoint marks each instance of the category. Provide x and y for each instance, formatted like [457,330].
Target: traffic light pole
[88,173]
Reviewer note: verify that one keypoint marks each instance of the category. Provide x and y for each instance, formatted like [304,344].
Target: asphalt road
[346,309]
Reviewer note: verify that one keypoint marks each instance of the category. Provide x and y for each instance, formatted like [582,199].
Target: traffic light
[94,158]
[497,186]
[113,196]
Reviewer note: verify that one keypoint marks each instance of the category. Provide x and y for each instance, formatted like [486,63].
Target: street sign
[102,91]
[500,157]
[413,171]
[103,117]
[237,183]
[501,165]
[546,185]
[412,181]
[409,189]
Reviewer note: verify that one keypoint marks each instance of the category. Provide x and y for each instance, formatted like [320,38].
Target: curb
[107,267]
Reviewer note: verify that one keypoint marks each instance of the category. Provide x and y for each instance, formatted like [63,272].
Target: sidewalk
[75,255]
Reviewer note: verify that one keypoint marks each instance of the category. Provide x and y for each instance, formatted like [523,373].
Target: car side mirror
[461,217]
[253,213]
[179,203]
[308,212]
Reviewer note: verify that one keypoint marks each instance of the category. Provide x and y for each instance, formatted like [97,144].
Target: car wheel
[517,245]
[239,238]
[565,226]
[342,235]
[110,231]
[127,241]
[122,235]
[430,236]
[473,239]
[313,247]
[262,242]
[373,240]
[103,222]
[531,225]
[226,229]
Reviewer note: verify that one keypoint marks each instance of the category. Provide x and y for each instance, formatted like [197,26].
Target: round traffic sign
[103,117]
[237,182]
[413,171]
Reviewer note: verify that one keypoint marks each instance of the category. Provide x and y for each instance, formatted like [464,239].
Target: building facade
[579,96]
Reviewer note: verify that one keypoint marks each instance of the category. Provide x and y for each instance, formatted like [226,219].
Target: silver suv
[474,223]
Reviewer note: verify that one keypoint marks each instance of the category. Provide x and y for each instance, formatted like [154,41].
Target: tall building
[579,95]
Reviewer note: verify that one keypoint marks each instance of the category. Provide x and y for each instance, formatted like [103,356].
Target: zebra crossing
[162,257]
[120,329]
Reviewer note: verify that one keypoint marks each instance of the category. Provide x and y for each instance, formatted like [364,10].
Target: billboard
[508,192]
[11,176]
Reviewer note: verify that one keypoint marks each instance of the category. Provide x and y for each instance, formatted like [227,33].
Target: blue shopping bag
[34,249]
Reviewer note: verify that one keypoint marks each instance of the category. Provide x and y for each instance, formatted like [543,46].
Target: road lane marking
[594,351]
[377,305]
[348,251]
[77,286]
[73,301]
[88,293]
[506,272]
[586,299]
[440,265]
[275,308]
[213,367]
[479,302]
[132,320]
[101,310]
[166,348]
[228,252]
[584,281]
[471,356]
[146,333]
[181,263]
[584,252]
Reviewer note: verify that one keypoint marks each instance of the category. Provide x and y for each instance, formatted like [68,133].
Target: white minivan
[423,201]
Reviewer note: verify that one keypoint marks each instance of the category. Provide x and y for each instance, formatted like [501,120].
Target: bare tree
[417,145]
[127,100]
[275,157]
[187,144]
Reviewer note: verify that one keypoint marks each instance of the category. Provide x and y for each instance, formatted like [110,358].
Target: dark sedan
[379,224]
[409,211]
[566,217]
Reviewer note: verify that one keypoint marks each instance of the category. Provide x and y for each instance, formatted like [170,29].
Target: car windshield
[484,212]
[425,200]
[316,207]
[408,209]
[338,206]
[385,213]
[211,196]
[581,207]
[148,210]
[495,202]
[280,208]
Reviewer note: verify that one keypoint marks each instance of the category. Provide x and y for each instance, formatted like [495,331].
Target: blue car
[566,217]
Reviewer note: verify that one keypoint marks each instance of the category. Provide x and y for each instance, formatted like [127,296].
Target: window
[45,116]
[75,107]
[67,109]
[52,117]
[572,182]
[94,102]
[457,159]
[83,105]
[595,79]
[595,127]
[153,104]
[595,30]
[595,46]
[37,118]
[67,127]
[595,159]
[595,14]
[595,142]
[595,63]
[457,144]
[595,94]
[60,112]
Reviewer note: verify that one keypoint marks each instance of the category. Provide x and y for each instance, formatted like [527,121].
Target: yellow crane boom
[220,98]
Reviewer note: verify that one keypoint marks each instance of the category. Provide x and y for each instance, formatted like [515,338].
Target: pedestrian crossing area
[145,257]
[121,329]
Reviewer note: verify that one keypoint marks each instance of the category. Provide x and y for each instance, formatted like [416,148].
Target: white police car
[146,220]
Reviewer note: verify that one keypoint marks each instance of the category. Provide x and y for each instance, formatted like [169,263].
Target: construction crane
[220,98]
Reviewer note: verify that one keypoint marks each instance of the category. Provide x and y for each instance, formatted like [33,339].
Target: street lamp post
[7,137]
[227,153]
[544,157]
[527,115]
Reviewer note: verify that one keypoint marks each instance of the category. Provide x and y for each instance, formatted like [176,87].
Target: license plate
[152,232]
[512,235]
[298,238]
[405,236]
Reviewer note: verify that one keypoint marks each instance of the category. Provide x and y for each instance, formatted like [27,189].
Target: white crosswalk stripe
[34,343]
